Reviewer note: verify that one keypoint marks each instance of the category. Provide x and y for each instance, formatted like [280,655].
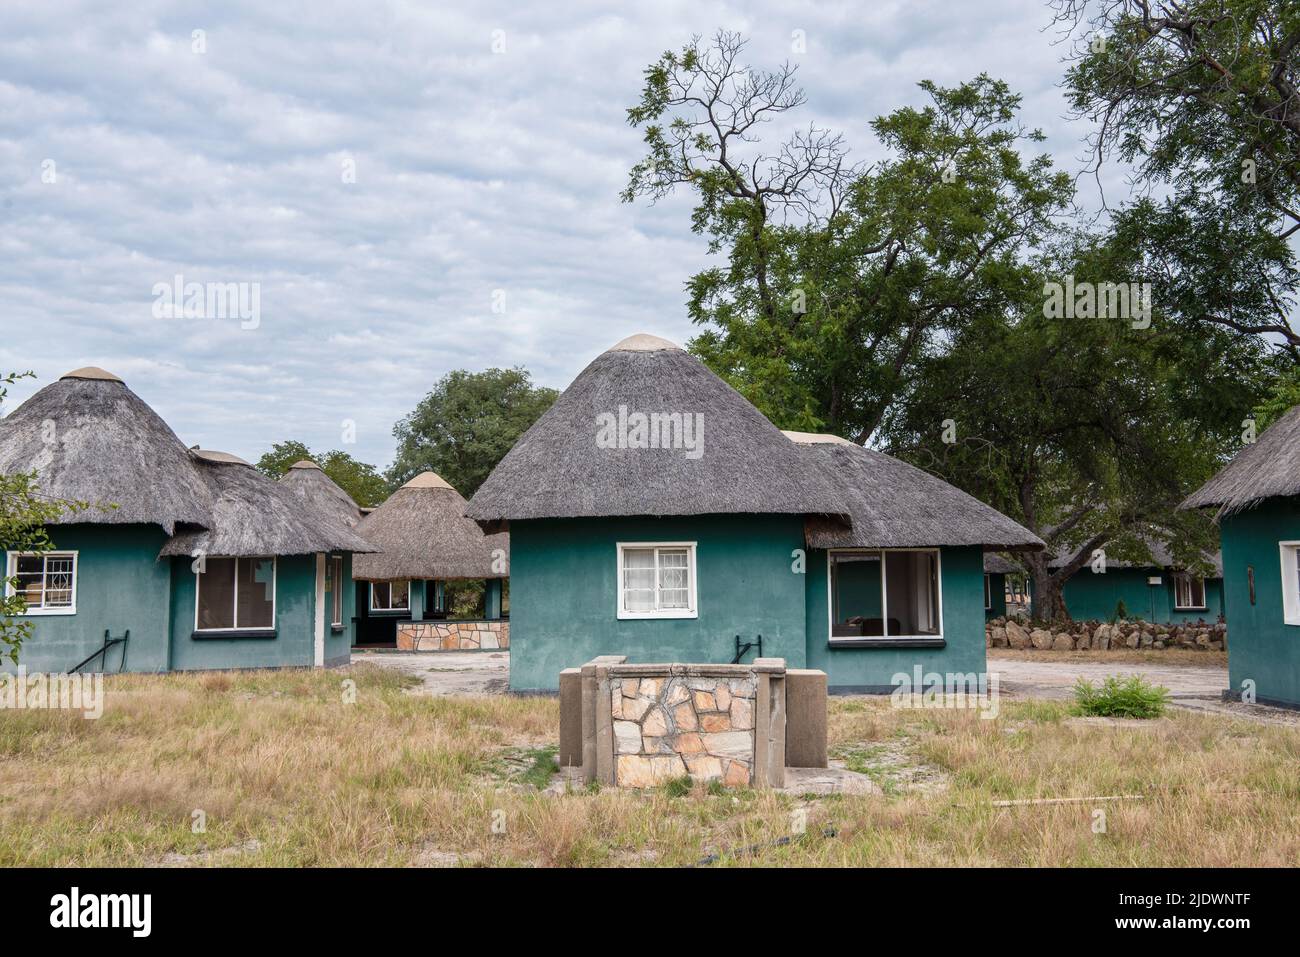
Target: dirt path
[446,672]
[1195,687]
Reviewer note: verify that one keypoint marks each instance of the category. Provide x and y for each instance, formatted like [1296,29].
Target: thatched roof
[1268,468]
[995,564]
[424,533]
[90,438]
[896,505]
[1162,558]
[255,515]
[317,490]
[558,469]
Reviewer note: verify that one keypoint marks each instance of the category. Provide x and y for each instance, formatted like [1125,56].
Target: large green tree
[466,425]
[359,479]
[24,514]
[840,280]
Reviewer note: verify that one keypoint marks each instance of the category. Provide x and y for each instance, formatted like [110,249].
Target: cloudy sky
[385,176]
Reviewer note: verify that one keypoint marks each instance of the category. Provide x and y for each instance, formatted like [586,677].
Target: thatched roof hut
[90,438]
[995,564]
[896,505]
[254,515]
[424,534]
[1161,557]
[707,451]
[317,490]
[1268,468]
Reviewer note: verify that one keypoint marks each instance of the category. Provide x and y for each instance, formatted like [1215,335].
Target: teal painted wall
[997,596]
[1261,647]
[120,586]
[961,584]
[563,593]
[1090,595]
[338,644]
[295,600]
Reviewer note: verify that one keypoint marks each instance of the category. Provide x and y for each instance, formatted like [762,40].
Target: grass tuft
[1131,697]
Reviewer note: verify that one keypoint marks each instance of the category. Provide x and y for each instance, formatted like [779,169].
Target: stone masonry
[670,726]
[452,635]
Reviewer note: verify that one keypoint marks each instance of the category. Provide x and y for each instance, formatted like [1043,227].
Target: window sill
[656,616]
[47,612]
[1191,607]
[338,629]
[920,642]
[242,633]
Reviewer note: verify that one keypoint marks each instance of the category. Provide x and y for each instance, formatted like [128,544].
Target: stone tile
[688,743]
[703,767]
[650,687]
[737,775]
[722,696]
[704,701]
[715,722]
[742,714]
[739,744]
[684,718]
[655,721]
[627,737]
[646,771]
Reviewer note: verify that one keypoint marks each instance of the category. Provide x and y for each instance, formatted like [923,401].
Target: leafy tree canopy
[360,480]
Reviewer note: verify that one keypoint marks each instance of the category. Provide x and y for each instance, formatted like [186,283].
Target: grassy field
[285,772]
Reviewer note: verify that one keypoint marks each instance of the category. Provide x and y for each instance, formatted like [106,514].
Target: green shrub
[1130,697]
[678,787]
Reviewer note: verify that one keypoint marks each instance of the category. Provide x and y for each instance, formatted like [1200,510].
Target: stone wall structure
[641,725]
[1104,636]
[452,635]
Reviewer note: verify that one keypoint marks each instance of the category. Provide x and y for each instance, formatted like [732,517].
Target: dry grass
[1173,657]
[288,774]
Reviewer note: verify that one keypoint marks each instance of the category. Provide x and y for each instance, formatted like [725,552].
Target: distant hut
[316,489]
[1160,590]
[160,515]
[656,513]
[426,542]
[996,570]
[1257,502]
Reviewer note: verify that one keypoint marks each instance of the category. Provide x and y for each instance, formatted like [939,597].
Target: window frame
[390,609]
[1182,579]
[336,591]
[41,611]
[692,583]
[238,628]
[1290,555]
[878,641]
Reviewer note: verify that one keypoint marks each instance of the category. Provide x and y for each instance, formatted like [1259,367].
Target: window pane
[58,581]
[379,595]
[216,599]
[856,595]
[400,595]
[639,579]
[1198,592]
[911,593]
[336,591]
[30,572]
[674,578]
[256,593]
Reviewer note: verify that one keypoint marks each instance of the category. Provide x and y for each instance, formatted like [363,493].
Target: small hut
[996,569]
[161,518]
[427,542]
[655,513]
[317,490]
[1257,502]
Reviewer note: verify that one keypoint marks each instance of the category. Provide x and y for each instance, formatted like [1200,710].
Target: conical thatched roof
[424,533]
[896,505]
[317,490]
[1268,468]
[254,515]
[559,469]
[90,438]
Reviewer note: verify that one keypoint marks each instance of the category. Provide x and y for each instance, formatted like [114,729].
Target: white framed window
[46,580]
[1290,582]
[336,590]
[1189,593]
[235,594]
[884,594]
[390,596]
[988,594]
[657,580]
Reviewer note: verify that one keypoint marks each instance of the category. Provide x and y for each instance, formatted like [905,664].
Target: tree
[839,280]
[1087,431]
[360,480]
[1201,98]
[24,513]
[466,425]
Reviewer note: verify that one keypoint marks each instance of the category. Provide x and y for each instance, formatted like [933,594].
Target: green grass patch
[1131,697]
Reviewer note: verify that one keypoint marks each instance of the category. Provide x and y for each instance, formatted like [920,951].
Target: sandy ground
[1197,687]
[447,672]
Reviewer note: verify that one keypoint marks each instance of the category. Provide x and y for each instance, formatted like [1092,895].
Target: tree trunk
[1049,602]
